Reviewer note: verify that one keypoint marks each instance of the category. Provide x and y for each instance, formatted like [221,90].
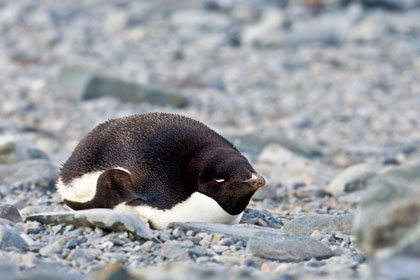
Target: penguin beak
[256,181]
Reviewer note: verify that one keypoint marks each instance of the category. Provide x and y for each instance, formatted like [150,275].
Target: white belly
[197,208]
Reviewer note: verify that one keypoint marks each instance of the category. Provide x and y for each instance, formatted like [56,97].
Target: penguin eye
[219,180]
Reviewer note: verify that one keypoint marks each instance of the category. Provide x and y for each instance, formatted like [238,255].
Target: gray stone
[326,223]
[174,252]
[198,252]
[32,227]
[50,249]
[238,231]
[6,222]
[352,179]
[10,239]
[35,171]
[103,218]
[398,266]
[10,212]
[178,232]
[286,247]
[220,248]
[81,84]
[82,255]
[12,151]
[262,218]
[389,214]
[261,33]
[72,243]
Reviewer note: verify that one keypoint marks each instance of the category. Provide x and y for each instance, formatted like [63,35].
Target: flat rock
[389,213]
[10,212]
[322,222]
[35,171]
[102,218]
[286,247]
[78,83]
[11,239]
[243,231]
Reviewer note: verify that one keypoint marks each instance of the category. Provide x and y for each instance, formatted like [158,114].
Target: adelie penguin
[163,167]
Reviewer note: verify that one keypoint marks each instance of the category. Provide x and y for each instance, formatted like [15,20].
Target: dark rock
[102,218]
[10,212]
[286,247]
[322,222]
[10,239]
[81,84]
[72,243]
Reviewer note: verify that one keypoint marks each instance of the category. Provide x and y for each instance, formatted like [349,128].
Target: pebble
[72,243]
[50,249]
[301,90]
[32,227]
[177,232]
[109,245]
[220,248]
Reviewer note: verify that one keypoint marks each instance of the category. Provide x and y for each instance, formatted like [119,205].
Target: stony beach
[322,97]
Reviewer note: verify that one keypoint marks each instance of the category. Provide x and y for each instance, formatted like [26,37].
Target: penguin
[163,167]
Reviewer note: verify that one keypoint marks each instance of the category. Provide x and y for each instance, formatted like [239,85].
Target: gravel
[321,96]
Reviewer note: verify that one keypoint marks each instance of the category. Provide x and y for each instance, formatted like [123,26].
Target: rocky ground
[323,97]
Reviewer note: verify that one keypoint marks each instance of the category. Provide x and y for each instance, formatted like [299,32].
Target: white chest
[197,208]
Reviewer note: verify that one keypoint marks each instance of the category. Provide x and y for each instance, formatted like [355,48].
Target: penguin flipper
[113,187]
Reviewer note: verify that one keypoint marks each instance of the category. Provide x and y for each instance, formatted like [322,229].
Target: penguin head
[226,176]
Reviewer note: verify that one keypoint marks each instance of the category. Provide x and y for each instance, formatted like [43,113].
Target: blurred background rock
[322,96]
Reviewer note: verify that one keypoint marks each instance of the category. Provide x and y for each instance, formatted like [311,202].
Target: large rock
[102,218]
[10,239]
[10,212]
[34,171]
[286,247]
[354,178]
[325,223]
[389,214]
[78,83]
